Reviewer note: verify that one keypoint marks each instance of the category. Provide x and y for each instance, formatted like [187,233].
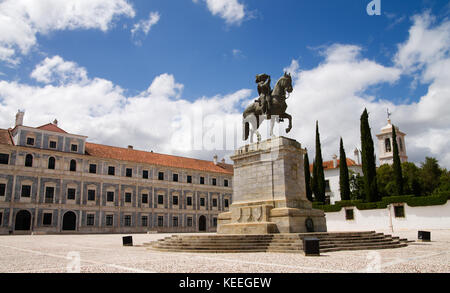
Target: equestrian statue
[270,103]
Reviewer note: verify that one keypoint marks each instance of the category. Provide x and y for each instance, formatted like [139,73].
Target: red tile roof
[51,127]
[328,165]
[5,137]
[109,152]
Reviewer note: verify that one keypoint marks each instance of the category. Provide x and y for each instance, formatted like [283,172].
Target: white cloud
[102,111]
[231,11]
[142,28]
[55,69]
[22,20]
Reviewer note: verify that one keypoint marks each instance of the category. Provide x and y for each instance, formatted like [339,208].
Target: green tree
[356,186]
[314,181]
[385,180]
[444,183]
[411,179]
[368,160]
[344,183]
[397,165]
[430,174]
[307,178]
[318,172]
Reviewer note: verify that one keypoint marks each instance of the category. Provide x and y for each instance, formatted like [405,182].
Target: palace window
[111,170]
[47,220]
[189,221]
[160,221]
[202,201]
[109,220]
[127,221]
[400,145]
[26,191]
[49,193]
[30,141]
[145,174]
[2,189]
[387,145]
[189,179]
[110,196]
[74,147]
[202,180]
[127,196]
[215,222]
[93,168]
[91,194]
[160,199]
[160,175]
[1,218]
[73,166]
[144,198]
[175,222]
[28,160]
[226,204]
[4,159]
[52,144]
[129,172]
[90,220]
[71,193]
[214,181]
[349,214]
[175,200]
[51,163]
[214,202]
[175,177]
[189,201]
[144,221]
[225,183]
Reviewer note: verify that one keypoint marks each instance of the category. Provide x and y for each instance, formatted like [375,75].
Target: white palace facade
[52,181]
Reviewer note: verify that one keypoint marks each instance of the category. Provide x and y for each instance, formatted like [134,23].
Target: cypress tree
[344,182]
[307,178]
[319,168]
[314,180]
[368,160]
[398,176]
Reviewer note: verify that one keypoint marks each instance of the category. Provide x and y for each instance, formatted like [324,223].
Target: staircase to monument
[283,243]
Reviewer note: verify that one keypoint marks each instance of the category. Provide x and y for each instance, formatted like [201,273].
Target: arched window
[387,144]
[73,165]
[29,161]
[51,163]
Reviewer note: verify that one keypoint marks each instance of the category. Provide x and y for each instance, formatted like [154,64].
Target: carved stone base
[269,191]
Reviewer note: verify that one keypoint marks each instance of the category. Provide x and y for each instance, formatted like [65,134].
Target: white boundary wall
[426,217]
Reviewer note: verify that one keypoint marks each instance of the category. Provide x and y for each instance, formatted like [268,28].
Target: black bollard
[311,246]
[424,236]
[127,241]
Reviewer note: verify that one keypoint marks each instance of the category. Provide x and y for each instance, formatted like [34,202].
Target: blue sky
[212,57]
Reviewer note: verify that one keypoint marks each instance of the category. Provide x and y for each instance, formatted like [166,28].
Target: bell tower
[385,144]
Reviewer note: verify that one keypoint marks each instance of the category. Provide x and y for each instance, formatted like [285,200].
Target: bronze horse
[254,115]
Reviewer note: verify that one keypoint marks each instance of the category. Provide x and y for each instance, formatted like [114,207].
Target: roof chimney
[130,147]
[55,122]
[215,159]
[223,161]
[335,162]
[356,152]
[19,118]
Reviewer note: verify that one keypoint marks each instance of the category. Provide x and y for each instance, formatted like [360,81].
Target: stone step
[366,247]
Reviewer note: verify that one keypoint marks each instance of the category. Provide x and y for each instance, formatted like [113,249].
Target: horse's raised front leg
[286,115]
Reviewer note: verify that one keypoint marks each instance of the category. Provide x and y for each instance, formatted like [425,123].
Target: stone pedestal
[269,193]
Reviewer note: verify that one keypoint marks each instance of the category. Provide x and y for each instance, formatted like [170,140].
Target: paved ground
[104,253]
